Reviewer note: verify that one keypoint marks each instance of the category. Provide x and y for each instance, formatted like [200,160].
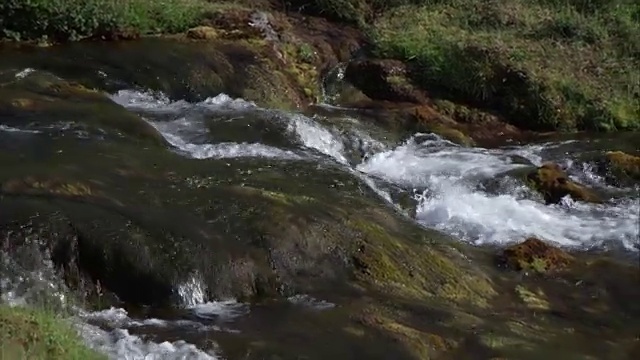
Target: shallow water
[466,192]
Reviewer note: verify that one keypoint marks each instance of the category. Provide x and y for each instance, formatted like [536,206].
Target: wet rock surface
[554,184]
[534,255]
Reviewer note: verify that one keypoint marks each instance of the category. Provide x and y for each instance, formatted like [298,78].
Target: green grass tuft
[544,64]
[37,334]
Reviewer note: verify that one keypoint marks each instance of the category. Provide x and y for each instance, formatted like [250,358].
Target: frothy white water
[310,302]
[314,136]
[224,150]
[120,344]
[108,331]
[452,201]
[11,129]
[182,131]
[24,73]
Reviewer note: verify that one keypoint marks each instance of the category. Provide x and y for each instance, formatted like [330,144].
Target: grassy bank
[35,334]
[62,20]
[544,64]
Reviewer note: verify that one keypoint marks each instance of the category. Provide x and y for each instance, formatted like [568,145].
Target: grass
[37,334]
[544,64]
[63,20]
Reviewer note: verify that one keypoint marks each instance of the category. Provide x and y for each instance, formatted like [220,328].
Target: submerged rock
[554,184]
[534,255]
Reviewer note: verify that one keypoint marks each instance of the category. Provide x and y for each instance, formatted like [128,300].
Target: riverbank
[542,65]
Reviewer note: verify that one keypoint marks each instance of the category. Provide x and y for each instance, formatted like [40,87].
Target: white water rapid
[450,181]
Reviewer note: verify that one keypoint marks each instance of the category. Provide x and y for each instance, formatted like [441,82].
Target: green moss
[37,334]
[544,64]
[554,184]
[278,197]
[300,67]
[533,300]
[418,270]
[419,343]
[538,265]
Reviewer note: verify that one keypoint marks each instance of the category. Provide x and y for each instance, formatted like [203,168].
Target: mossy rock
[554,184]
[534,255]
[42,99]
[620,168]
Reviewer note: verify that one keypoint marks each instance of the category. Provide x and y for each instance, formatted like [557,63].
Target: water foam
[317,137]
[452,201]
[11,129]
[120,344]
[183,131]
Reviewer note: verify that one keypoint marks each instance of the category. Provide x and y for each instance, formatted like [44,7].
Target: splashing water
[447,177]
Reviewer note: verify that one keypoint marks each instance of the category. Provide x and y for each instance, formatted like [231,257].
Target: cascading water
[449,184]
[449,179]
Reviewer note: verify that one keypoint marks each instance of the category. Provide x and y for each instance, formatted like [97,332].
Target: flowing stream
[467,192]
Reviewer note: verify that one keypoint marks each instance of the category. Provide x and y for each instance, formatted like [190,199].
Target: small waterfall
[332,83]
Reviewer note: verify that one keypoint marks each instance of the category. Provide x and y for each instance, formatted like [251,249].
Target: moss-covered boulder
[554,184]
[534,255]
[620,168]
[43,100]
[142,221]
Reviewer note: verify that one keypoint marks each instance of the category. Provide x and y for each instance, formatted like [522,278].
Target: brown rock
[621,168]
[534,255]
[554,184]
